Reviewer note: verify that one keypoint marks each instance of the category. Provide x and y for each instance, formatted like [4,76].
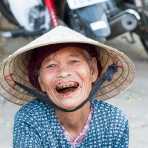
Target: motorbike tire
[5,11]
[71,20]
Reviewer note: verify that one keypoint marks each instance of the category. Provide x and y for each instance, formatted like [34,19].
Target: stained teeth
[63,86]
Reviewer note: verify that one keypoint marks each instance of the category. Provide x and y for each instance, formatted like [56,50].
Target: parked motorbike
[32,18]
[141,6]
[98,19]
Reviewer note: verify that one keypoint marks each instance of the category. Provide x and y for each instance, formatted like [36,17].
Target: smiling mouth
[67,88]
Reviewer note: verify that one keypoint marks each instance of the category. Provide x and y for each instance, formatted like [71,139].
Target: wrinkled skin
[69,66]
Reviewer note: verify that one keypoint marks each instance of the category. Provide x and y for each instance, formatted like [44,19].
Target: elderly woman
[62,77]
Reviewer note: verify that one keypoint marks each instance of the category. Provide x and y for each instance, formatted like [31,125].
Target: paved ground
[133,102]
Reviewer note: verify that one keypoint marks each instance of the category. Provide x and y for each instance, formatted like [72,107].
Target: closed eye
[75,61]
[51,66]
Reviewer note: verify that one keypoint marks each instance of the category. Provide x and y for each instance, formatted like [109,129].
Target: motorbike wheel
[6,12]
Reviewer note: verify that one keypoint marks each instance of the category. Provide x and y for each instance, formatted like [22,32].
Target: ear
[41,83]
[94,69]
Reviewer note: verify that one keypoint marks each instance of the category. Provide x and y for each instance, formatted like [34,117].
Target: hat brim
[14,68]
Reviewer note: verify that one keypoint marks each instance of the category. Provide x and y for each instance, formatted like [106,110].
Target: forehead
[68,51]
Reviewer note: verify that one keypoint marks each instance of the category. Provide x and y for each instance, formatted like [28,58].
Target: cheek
[85,74]
[46,80]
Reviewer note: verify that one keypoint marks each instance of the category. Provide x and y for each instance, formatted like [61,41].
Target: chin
[70,105]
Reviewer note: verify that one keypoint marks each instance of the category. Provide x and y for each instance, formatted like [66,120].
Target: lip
[69,94]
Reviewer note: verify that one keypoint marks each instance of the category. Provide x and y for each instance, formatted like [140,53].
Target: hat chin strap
[107,76]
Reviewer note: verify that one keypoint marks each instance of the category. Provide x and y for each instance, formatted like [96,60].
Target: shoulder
[32,111]
[109,113]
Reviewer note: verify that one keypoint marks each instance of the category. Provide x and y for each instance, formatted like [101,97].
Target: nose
[64,72]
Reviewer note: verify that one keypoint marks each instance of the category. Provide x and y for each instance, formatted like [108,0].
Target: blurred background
[119,23]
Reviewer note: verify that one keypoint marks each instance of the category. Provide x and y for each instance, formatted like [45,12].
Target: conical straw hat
[14,67]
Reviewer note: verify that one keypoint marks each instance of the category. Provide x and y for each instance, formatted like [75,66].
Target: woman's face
[67,75]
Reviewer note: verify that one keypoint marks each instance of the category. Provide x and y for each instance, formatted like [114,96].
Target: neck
[74,122]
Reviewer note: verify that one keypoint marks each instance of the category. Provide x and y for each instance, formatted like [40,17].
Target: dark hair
[39,54]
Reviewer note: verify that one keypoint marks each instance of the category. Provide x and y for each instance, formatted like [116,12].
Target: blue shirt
[36,126]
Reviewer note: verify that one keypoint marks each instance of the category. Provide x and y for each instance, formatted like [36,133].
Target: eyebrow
[74,55]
